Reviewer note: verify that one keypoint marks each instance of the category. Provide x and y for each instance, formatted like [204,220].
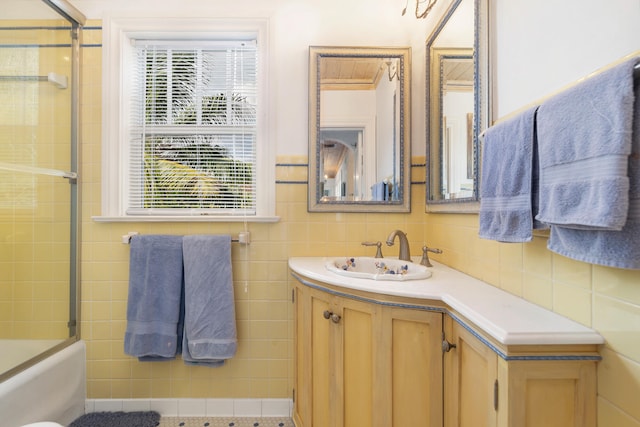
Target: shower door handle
[69,175]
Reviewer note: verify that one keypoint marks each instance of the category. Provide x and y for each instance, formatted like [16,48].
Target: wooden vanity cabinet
[365,363]
[366,360]
[528,386]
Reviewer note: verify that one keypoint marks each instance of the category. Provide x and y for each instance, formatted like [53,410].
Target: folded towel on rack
[508,184]
[153,329]
[584,138]
[620,249]
[209,322]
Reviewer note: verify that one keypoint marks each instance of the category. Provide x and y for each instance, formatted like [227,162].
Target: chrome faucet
[404,253]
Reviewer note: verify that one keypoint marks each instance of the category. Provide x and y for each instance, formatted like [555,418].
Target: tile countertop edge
[507,318]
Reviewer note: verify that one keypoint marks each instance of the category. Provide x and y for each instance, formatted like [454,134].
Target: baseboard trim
[196,407]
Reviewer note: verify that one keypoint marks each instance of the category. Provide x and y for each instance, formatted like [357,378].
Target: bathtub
[14,352]
[54,389]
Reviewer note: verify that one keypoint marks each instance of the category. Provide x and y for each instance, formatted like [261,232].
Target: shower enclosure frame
[77,20]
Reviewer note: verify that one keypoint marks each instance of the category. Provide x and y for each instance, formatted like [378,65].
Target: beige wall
[263,366]
[605,299]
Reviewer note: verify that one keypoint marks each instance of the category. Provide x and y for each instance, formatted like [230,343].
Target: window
[193,128]
[188,138]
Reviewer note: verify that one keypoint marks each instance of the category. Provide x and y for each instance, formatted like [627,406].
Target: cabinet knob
[335,318]
[447,346]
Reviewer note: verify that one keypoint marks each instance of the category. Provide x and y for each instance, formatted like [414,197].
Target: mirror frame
[403,204]
[481,108]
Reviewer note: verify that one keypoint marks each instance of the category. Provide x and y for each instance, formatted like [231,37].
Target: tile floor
[225,422]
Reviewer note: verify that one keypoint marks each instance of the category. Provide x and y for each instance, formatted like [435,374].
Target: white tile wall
[197,407]
[220,407]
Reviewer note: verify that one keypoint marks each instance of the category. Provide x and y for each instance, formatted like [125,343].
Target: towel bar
[244,237]
[636,75]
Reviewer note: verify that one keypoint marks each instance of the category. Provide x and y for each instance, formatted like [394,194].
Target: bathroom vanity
[448,350]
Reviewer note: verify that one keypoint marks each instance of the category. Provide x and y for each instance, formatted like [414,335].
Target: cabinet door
[321,360]
[312,359]
[550,393]
[410,369]
[356,358]
[334,360]
[470,371]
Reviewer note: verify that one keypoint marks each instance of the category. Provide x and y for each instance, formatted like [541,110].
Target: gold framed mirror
[457,106]
[359,129]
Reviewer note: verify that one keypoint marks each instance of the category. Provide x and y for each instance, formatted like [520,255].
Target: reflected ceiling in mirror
[457,101]
[359,146]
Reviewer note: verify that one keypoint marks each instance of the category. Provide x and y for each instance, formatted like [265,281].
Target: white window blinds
[193,129]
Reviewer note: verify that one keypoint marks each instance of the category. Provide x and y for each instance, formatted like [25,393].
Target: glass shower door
[38,185]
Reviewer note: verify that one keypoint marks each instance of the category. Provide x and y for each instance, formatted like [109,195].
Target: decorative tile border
[225,422]
[197,407]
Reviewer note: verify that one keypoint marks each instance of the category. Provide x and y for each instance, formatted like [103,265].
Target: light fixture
[421,3]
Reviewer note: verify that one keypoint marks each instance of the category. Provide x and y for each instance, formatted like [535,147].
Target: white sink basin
[377,268]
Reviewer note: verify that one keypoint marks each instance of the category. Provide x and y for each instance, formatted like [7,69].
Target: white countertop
[509,319]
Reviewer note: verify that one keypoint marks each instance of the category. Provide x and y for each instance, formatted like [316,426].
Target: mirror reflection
[359,142]
[341,154]
[457,107]
[455,128]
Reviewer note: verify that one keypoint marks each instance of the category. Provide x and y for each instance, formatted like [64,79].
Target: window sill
[198,218]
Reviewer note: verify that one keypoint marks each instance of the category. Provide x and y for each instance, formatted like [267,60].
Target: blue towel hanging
[209,323]
[155,291]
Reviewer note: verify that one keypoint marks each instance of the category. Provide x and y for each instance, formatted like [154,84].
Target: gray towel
[209,323]
[584,137]
[619,249]
[153,306]
[509,180]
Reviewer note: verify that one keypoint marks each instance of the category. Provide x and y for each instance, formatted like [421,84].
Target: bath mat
[118,419]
